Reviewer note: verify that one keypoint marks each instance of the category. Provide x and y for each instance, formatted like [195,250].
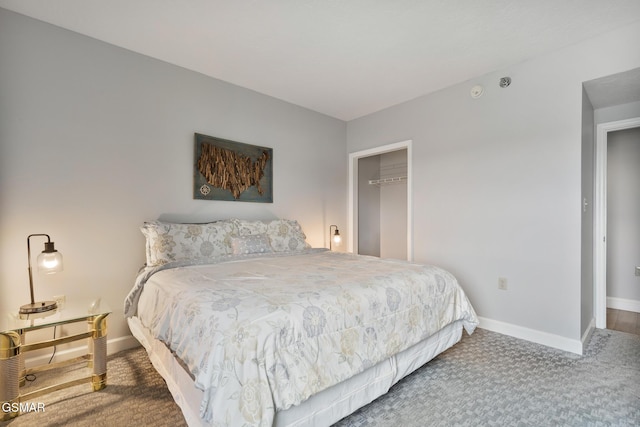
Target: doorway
[372,175]
[600,215]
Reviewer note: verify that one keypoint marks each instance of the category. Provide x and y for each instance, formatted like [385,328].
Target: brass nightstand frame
[13,373]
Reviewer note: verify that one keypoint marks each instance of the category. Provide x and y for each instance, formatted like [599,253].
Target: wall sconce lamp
[335,237]
[49,261]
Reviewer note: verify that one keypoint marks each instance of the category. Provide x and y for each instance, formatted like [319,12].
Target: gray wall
[95,139]
[617,112]
[623,214]
[498,182]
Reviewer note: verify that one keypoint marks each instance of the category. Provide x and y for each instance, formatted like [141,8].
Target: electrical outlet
[502,283]
[60,300]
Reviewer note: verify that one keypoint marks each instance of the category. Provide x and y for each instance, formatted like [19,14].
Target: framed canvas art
[233,171]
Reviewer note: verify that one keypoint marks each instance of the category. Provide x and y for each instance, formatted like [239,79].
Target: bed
[250,326]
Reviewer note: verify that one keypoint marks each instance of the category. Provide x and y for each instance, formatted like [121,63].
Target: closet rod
[382,181]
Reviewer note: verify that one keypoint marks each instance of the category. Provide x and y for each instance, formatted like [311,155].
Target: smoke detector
[476,91]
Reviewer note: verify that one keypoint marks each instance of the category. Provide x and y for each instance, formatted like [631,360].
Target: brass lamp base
[38,307]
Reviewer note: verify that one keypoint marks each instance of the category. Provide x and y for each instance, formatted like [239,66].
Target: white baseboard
[539,337]
[623,304]
[121,343]
[113,346]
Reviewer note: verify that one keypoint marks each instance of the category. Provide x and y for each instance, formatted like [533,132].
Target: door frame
[352,245]
[600,216]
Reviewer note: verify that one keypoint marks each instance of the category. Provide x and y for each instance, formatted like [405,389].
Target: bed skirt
[320,410]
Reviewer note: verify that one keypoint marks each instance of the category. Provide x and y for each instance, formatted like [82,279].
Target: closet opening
[380,214]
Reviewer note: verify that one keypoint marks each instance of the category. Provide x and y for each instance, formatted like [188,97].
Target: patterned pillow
[285,235]
[251,244]
[168,242]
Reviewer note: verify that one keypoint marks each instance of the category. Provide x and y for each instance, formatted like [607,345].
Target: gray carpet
[493,380]
[487,379]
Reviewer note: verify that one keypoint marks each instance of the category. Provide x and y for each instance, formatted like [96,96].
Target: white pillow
[168,242]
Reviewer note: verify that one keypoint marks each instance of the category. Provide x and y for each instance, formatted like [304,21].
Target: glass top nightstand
[13,329]
[70,311]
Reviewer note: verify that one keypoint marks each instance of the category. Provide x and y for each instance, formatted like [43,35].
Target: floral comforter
[261,334]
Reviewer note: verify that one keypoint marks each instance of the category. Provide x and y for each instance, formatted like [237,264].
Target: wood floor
[623,321]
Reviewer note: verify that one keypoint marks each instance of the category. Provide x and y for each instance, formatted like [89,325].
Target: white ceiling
[343,58]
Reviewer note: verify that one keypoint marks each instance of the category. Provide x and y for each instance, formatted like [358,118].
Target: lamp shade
[50,260]
[335,237]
